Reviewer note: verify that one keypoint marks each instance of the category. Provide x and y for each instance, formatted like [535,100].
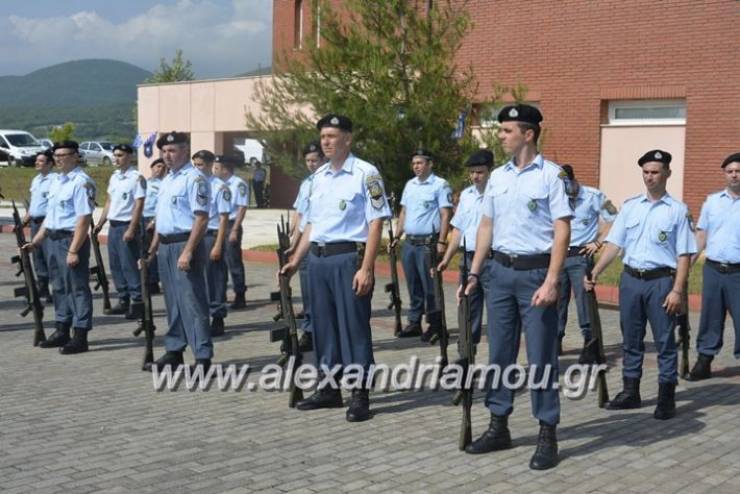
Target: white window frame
[660,103]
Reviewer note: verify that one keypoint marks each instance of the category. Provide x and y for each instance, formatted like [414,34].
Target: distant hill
[256,72]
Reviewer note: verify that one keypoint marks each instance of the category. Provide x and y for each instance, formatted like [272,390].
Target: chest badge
[174,200]
[342,205]
[662,236]
[532,205]
[124,195]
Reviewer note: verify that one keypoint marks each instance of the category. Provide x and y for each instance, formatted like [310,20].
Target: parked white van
[18,148]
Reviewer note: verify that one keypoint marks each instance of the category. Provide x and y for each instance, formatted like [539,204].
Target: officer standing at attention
[465,226]
[218,219]
[123,207]
[182,220]
[426,209]
[719,231]
[70,208]
[348,206]
[35,217]
[258,183]
[526,220]
[147,224]
[654,232]
[239,202]
[586,238]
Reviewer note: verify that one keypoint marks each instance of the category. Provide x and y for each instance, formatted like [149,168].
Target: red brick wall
[574,55]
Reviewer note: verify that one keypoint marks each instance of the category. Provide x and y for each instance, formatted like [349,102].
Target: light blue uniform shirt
[239,194]
[524,205]
[124,188]
[467,217]
[423,201]
[220,202]
[71,195]
[652,234]
[302,201]
[40,194]
[343,203]
[259,175]
[152,193]
[720,219]
[591,204]
[182,194]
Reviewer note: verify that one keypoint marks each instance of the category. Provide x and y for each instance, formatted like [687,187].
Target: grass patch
[16,181]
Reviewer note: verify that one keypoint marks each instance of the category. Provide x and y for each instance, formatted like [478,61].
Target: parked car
[97,152]
[18,148]
[46,143]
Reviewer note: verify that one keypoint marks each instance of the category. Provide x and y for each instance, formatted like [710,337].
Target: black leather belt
[522,263]
[724,267]
[174,238]
[649,274]
[421,239]
[59,234]
[471,254]
[332,249]
[119,223]
[38,220]
[575,251]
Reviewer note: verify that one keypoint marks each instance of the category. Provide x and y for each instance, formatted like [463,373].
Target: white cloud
[219,38]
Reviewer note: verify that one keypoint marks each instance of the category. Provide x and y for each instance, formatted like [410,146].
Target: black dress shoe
[78,343]
[301,315]
[427,335]
[588,353]
[217,326]
[135,311]
[628,398]
[173,359]
[546,454]
[154,289]
[201,362]
[323,398]
[666,407]
[702,368]
[359,406]
[496,438]
[118,309]
[305,344]
[59,338]
[239,302]
[411,330]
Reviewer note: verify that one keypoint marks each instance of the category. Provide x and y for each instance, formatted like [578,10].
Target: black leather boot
[496,438]
[305,344]
[702,368]
[118,309]
[135,311]
[217,326]
[411,329]
[666,407]
[78,343]
[173,359]
[239,302]
[359,406]
[588,353]
[546,454]
[59,338]
[326,397]
[628,398]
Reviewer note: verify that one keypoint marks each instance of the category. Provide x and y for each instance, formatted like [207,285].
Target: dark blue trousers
[307,324]
[123,258]
[234,260]
[420,285]
[216,277]
[641,301]
[509,310]
[720,294]
[478,297]
[341,319]
[186,298]
[572,279]
[40,254]
[70,286]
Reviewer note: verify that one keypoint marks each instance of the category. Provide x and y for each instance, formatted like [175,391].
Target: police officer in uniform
[654,232]
[719,231]
[426,209]
[258,183]
[526,220]
[71,204]
[586,238]
[347,210]
[465,224]
[218,220]
[35,217]
[181,222]
[123,208]
[239,202]
[147,218]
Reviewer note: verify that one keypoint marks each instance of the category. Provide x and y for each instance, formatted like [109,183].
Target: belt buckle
[724,268]
[322,248]
[641,273]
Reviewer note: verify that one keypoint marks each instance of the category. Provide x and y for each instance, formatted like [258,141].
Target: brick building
[614,78]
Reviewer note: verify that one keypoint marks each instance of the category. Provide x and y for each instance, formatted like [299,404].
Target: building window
[647,112]
[298,26]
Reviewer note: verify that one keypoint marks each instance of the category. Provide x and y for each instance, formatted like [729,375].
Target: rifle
[597,339]
[684,332]
[288,334]
[283,234]
[147,318]
[99,269]
[467,351]
[30,290]
[392,288]
[436,318]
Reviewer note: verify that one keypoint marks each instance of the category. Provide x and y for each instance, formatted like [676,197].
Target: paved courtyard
[93,422]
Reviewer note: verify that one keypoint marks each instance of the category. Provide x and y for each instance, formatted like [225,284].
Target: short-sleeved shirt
[124,188]
[422,201]
[183,193]
[524,205]
[302,201]
[259,175]
[591,204]
[239,194]
[40,186]
[220,202]
[344,202]
[467,216]
[71,195]
[152,193]
[720,219]
[653,234]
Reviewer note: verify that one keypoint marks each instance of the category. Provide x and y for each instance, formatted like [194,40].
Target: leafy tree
[65,132]
[178,70]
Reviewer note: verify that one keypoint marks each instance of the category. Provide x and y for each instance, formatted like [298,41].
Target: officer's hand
[128,235]
[441,249]
[183,262]
[150,226]
[28,247]
[392,244]
[471,285]
[441,266]
[26,220]
[232,237]
[288,269]
[363,281]
[590,249]
[545,295]
[672,303]
[72,259]
[215,254]
[289,251]
[589,284]
[98,228]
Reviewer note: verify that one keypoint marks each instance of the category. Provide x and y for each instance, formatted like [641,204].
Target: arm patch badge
[202,193]
[90,190]
[375,190]
[242,189]
[609,207]
[142,182]
[227,194]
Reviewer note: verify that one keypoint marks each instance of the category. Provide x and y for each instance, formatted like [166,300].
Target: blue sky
[220,37]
